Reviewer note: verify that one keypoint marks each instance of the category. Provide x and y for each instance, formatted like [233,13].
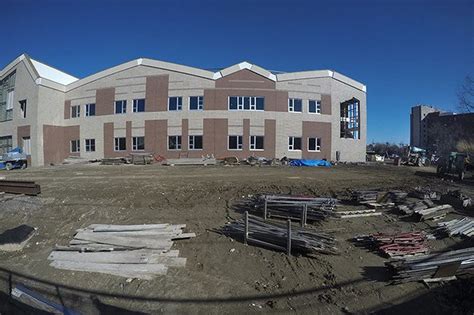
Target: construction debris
[425,193]
[303,208]
[457,199]
[205,160]
[394,196]
[357,213]
[434,213]
[396,245]
[461,227]
[361,196]
[142,158]
[114,161]
[410,208]
[132,251]
[254,230]
[433,267]
[20,187]
[16,238]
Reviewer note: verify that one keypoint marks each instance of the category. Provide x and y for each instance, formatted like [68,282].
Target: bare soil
[221,275]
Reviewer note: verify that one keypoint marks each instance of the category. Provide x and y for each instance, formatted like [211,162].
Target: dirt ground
[221,275]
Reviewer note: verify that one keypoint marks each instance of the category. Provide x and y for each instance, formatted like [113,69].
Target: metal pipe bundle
[464,226]
[434,266]
[397,245]
[275,236]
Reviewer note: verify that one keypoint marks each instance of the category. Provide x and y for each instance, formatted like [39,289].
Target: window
[90,110]
[196,103]
[26,145]
[120,144]
[256,142]
[139,105]
[10,97]
[314,107]
[76,111]
[350,119]
[174,143]
[120,107]
[294,143]
[246,103]
[75,146]
[295,105]
[7,93]
[195,142]
[23,109]
[90,145]
[235,143]
[138,143]
[175,103]
[314,144]
[5,144]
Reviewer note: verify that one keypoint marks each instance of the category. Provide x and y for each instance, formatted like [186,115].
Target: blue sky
[406,52]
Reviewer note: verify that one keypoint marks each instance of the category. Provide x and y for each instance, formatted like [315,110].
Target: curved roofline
[54,78]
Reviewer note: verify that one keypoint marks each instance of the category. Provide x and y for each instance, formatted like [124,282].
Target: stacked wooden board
[433,267]
[434,213]
[132,251]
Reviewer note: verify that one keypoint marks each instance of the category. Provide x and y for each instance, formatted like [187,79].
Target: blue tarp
[310,163]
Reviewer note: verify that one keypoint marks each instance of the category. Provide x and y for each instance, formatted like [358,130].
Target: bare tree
[466,95]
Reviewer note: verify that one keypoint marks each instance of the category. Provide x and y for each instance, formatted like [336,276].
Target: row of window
[175,103]
[196,143]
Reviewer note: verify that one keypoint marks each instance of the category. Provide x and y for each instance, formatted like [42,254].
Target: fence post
[246,234]
[288,242]
[265,210]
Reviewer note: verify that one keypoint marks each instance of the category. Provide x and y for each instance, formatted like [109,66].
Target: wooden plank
[143,234]
[116,269]
[125,241]
[118,228]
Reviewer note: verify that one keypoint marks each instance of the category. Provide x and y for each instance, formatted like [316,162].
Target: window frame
[135,105]
[89,145]
[253,142]
[291,143]
[240,144]
[117,145]
[291,105]
[179,144]
[200,103]
[245,101]
[23,106]
[77,143]
[135,143]
[76,109]
[87,109]
[123,105]
[179,103]
[192,144]
[317,107]
[317,144]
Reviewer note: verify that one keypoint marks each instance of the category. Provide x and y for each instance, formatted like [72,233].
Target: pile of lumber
[132,251]
[305,208]
[462,227]
[412,207]
[434,213]
[425,193]
[256,231]
[191,161]
[141,158]
[362,196]
[396,245]
[20,187]
[433,267]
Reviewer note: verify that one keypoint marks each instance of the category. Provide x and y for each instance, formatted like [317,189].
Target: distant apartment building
[178,111]
[431,128]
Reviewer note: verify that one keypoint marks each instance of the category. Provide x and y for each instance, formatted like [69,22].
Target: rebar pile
[396,245]
[464,227]
[275,236]
[438,266]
